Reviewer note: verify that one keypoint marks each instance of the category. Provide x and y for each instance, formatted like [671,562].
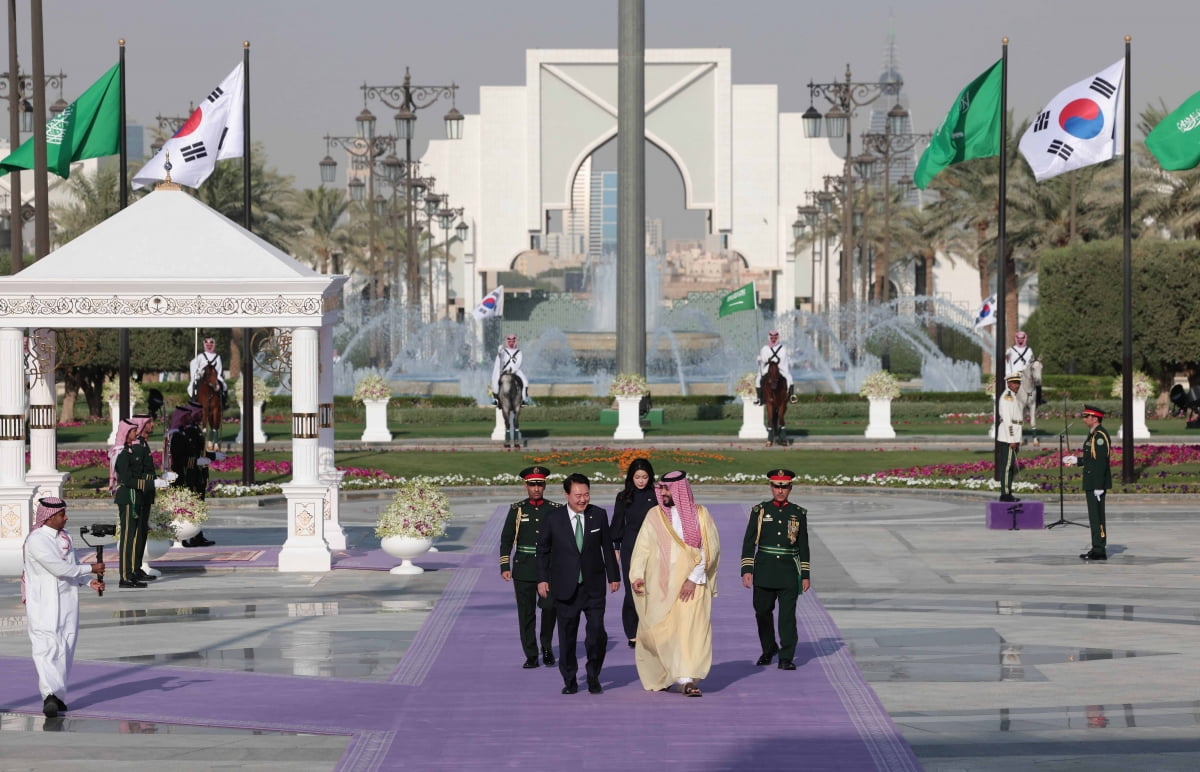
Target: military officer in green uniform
[521,529]
[775,565]
[1097,478]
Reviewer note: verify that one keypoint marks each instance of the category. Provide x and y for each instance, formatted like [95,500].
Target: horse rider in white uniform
[208,356]
[508,360]
[1018,358]
[776,352]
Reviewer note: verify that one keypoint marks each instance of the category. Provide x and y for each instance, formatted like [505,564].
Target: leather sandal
[691,690]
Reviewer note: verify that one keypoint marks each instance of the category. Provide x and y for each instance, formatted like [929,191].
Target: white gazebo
[169,261]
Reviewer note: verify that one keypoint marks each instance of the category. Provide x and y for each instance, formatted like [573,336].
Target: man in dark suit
[575,556]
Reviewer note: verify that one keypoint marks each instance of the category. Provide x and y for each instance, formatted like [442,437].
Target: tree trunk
[70,391]
[234,365]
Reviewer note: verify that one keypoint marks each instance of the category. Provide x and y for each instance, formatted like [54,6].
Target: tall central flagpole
[631,188]
[1127,475]
[1002,248]
[247,332]
[41,183]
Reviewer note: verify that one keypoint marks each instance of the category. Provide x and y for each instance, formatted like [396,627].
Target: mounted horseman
[208,357]
[776,352]
[509,360]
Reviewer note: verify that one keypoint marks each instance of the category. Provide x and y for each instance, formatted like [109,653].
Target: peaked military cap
[1093,411]
[781,475]
[534,474]
[1013,377]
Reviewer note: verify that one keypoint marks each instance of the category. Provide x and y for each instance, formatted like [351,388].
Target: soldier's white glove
[1099,494]
[160,483]
[203,461]
[170,476]
[219,455]
[1070,460]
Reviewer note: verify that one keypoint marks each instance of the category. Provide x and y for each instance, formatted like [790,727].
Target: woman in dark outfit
[629,511]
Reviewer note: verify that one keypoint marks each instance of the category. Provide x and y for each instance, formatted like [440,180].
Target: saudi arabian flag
[971,129]
[1175,141]
[90,127]
[741,299]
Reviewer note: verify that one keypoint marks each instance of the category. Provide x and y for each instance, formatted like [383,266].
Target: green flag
[90,127]
[741,299]
[971,129]
[1175,141]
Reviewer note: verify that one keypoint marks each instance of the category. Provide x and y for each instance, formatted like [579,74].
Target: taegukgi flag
[741,299]
[491,305]
[90,127]
[214,131]
[1081,126]
[987,313]
[1175,141]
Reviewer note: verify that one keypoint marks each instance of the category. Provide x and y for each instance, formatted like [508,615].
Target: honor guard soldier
[775,565]
[521,529]
[1009,423]
[1097,479]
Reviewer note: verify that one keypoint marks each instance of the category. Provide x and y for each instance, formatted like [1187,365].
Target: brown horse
[208,394]
[775,401]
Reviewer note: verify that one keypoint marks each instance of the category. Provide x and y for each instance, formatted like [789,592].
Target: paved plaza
[989,650]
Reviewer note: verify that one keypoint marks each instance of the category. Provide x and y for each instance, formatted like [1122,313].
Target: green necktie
[579,541]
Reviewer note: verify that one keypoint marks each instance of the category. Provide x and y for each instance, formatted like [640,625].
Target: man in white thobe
[778,353]
[50,590]
[673,573]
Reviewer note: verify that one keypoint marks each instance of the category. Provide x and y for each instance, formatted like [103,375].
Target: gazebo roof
[167,260]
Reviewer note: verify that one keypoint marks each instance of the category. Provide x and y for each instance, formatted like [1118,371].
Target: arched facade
[741,160]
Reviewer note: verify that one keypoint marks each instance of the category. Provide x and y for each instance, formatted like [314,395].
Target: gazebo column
[43,472]
[16,495]
[335,536]
[305,548]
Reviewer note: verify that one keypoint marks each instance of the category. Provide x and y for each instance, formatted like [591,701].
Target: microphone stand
[1062,518]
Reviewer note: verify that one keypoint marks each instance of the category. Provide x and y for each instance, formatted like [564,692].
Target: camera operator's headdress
[46,509]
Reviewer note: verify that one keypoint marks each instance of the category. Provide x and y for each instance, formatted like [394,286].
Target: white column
[335,535]
[1140,430]
[16,494]
[305,548]
[43,473]
[753,425]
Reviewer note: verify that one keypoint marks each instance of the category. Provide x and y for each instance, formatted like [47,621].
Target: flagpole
[1127,475]
[1002,248]
[123,150]
[41,184]
[16,223]
[247,332]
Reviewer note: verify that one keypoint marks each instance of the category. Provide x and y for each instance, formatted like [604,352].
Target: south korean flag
[212,132]
[1081,126]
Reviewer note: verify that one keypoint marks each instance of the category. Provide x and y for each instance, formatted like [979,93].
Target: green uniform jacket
[521,528]
[135,469]
[775,547]
[1093,457]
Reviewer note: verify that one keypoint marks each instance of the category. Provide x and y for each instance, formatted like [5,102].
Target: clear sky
[309,58]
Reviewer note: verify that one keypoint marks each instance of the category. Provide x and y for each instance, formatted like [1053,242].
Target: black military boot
[758,400]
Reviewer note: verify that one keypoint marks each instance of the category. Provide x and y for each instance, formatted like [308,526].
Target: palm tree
[96,197]
[276,213]
[326,231]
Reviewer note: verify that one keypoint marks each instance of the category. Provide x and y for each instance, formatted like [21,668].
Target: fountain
[690,350]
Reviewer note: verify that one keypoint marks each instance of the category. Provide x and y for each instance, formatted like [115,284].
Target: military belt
[527,550]
[789,551]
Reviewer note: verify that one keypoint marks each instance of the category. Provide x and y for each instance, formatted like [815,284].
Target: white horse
[1031,379]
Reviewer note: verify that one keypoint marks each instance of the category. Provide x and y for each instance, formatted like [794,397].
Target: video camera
[99,530]
[1186,401]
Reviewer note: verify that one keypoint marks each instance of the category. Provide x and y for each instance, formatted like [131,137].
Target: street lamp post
[845,96]
[894,141]
[16,88]
[407,99]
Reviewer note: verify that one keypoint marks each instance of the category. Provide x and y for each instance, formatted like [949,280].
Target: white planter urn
[1140,431]
[753,421]
[629,426]
[155,549]
[259,437]
[879,425]
[184,530]
[404,549]
[376,430]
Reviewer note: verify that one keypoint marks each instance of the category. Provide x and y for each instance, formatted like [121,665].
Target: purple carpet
[459,699]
